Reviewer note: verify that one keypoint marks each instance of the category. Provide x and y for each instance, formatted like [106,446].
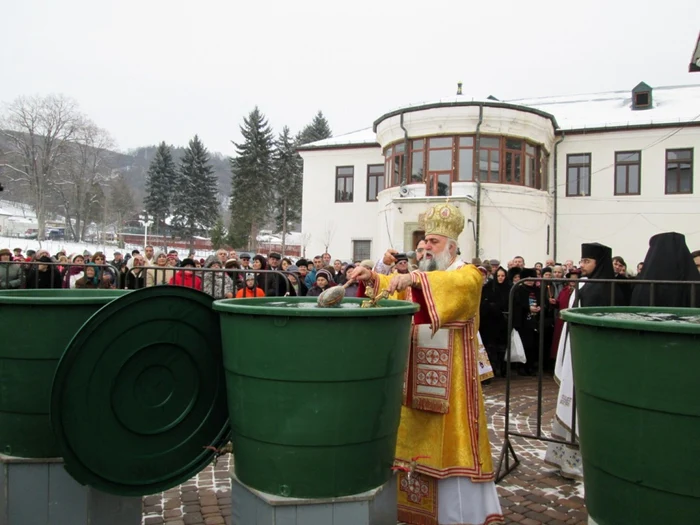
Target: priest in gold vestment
[443,448]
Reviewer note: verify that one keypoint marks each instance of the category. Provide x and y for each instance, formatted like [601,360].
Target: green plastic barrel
[35,328]
[314,394]
[636,375]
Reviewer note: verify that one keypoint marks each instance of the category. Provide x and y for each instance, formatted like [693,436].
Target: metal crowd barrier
[211,280]
[275,283]
[29,273]
[505,466]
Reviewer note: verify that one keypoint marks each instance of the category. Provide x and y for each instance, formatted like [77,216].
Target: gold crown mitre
[444,219]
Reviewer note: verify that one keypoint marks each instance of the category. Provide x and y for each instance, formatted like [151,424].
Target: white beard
[438,261]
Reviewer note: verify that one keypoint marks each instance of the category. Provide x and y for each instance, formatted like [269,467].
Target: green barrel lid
[140,394]
[641,318]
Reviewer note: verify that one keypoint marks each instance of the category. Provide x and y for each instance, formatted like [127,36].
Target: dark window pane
[466,142]
[443,182]
[490,142]
[516,175]
[484,165]
[633,179]
[621,180]
[679,154]
[671,184]
[585,184]
[572,182]
[686,181]
[509,167]
[372,189]
[398,164]
[348,188]
[627,156]
[495,166]
[444,142]
[514,144]
[380,184]
[417,166]
[579,159]
[439,160]
[376,169]
[348,170]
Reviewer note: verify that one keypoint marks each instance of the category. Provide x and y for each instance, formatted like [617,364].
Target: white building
[554,172]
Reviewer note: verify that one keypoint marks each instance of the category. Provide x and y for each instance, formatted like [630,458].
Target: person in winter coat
[10,273]
[44,276]
[91,279]
[136,276]
[324,280]
[493,325]
[217,284]
[251,289]
[73,273]
[351,290]
[297,286]
[161,273]
[186,277]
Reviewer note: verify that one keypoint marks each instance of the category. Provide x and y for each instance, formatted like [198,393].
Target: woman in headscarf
[668,259]
[161,273]
[493,325]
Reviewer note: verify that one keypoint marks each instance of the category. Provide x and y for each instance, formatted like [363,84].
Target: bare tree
[328,233]
[37,131]
[79,180]
[305,239]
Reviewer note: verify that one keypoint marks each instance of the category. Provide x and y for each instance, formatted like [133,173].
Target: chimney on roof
[459,88]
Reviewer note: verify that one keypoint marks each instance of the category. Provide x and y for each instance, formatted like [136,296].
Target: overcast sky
[152,70]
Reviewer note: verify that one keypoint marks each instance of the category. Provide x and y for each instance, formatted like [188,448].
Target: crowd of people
[535,308]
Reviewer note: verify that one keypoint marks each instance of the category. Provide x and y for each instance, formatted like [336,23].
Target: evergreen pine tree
[195,205]
[252,181]
[319,129]
[160,183]
[218,234]
[288,184]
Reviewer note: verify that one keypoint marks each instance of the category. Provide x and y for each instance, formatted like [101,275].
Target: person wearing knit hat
[217,284]
[324,280]
[296,283]
[251,288]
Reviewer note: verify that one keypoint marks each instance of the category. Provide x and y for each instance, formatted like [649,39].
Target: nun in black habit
[600,294]
[668,259]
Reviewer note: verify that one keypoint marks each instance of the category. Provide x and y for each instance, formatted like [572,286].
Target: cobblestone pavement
[532,494]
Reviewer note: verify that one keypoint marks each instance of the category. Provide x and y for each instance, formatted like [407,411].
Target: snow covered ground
[79,247]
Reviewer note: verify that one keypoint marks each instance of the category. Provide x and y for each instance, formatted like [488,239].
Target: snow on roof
[17,209]
[356,138]
[613,109]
